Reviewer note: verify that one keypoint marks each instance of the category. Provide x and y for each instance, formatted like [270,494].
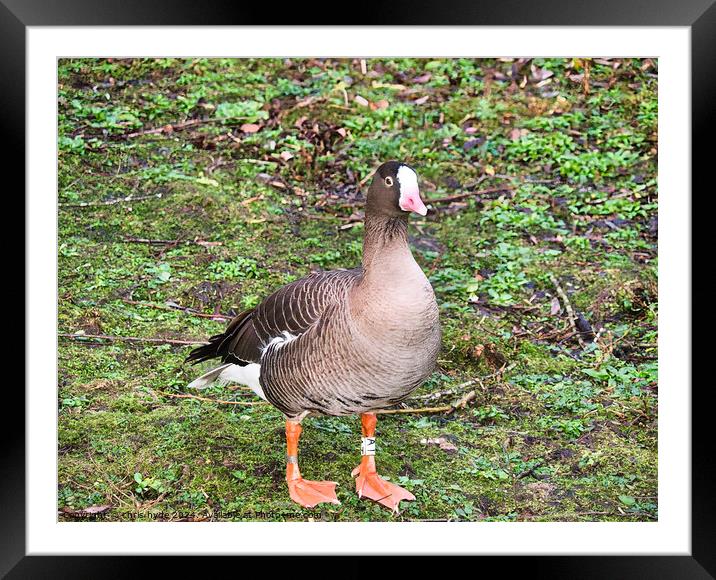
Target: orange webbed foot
[369,484]
[311,493]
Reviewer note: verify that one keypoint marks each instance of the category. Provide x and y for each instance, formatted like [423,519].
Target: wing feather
[294,308]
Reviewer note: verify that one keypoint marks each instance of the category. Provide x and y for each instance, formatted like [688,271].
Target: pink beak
[410,201]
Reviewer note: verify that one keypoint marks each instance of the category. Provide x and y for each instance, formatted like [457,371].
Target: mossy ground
[563,433]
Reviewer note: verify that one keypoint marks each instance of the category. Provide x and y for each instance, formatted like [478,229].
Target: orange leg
[302,491]
[368,483]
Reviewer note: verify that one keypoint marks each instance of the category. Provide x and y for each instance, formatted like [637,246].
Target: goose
[341,342]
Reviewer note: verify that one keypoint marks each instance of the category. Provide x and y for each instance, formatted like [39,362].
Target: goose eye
[389,181]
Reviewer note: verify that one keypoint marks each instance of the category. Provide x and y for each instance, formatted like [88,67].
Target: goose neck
[385,244]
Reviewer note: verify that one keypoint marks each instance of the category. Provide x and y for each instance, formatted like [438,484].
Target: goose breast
[354,359]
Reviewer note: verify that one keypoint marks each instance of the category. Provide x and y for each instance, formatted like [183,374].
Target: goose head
[394,191]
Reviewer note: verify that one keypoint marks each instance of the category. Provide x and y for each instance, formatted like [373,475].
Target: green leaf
[596,374]
[245,110]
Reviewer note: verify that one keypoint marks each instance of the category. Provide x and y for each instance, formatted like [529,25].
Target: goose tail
[230,373]
[208,378]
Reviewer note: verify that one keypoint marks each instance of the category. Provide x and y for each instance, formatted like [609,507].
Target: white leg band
[367,446]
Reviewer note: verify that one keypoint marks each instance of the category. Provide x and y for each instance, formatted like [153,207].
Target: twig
[467,384]
[171,127]
[208,400]
[452,391]
[529,471]
[102,337]
[304,103]
[459,404]
[114,201]
[457,196]
[149,241]
[363,181]
[568,307]
[110,482]
[435,264]
[420,410]
[328,217]
[443,409]
[167,128]
[563,516]
[202,243]
[462,403]
[585,78]
[501,371]
[171,306]
[149,504]
[256,161]
[618,196]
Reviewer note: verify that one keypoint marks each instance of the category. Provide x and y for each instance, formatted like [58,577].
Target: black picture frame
[699,15]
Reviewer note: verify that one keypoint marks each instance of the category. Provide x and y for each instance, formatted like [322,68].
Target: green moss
[561,434]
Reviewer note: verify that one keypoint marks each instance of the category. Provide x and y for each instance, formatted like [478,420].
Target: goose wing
[293,309]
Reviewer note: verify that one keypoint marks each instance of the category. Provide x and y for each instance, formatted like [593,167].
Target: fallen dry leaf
[443,443]
[540,74]
[92,510]
[540,489]
[249,201]
[422,100]
[517,134]
[422,79]
[470,144]
[561,105]
[555,306]
[250,128]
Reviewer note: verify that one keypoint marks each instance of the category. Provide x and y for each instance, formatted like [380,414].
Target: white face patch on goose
[409,191]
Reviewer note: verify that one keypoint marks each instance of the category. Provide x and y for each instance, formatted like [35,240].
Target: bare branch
[138,339]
